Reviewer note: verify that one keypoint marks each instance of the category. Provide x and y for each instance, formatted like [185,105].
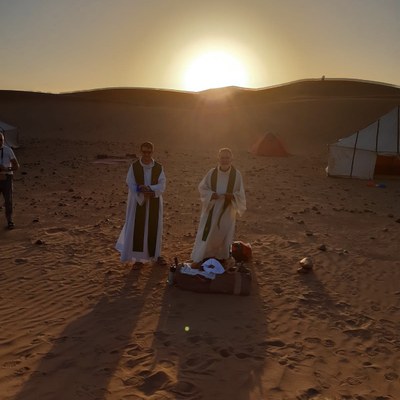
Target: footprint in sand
[141,356]
[275,343]
[369,365]
[154,382]
[50,355]
[184,389]
[375,307]
[198,364]
[55,230]
[21,260]
[132,381]
[391,376]
[328,343]
[192,362]
[21,371]
[313,340]
[242,356]
[194,339]
[353,381]
[372,351]
[166,363]
[11,363]
[224,353]
[309,394]
[360,333]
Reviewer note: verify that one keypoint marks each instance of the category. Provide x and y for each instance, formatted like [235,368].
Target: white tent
[371,151]
[10,134]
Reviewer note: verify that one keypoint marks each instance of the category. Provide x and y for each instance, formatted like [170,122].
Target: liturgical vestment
[141,236]
[218,217]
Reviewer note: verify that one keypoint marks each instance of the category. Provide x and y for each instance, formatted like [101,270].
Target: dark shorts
[6,189]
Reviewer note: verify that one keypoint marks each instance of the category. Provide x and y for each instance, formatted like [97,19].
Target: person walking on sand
[8,164]
[141,236]
[223,198]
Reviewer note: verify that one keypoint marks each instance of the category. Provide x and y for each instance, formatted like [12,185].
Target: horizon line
[231,87]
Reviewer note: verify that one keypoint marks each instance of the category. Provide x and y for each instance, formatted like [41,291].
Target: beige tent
[10,133]
[374,150]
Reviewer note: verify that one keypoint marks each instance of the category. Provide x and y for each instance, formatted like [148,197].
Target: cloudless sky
[67,45]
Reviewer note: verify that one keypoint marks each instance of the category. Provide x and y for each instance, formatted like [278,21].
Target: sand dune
[76,324]
[308,115]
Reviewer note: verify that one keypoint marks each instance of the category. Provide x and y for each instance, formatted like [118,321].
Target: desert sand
[78,324]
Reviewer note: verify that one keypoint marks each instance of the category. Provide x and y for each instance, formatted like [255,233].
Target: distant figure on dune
[223,198]
[141,236]
[8,164]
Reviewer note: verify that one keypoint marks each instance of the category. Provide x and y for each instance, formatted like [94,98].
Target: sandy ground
[77,324]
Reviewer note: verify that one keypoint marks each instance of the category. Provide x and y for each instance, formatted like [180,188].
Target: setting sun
[214,69]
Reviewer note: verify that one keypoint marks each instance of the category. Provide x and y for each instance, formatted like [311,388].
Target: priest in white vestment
[141,237]
[223,198]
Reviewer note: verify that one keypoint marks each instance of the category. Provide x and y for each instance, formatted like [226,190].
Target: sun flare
[214,69]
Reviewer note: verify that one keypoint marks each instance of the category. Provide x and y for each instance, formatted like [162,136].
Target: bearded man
[223,198]
[141,237]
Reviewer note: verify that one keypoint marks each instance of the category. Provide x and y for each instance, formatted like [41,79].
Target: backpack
[241,251]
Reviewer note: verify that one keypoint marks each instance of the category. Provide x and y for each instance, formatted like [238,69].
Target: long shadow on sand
[214,344]
[205,346]
[87,353]
[317,301]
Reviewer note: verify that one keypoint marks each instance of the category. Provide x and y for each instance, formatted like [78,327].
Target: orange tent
[269,145]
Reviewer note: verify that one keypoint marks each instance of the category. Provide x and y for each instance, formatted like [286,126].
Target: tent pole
[377,135]
[354,154]
[398,130]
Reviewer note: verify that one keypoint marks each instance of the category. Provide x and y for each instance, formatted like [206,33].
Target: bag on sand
[241,251]
[236,280]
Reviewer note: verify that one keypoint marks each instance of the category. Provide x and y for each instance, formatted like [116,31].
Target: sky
[69,45]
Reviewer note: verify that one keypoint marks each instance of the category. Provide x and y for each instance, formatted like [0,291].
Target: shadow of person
[87,353]
[213,344]
[317,300]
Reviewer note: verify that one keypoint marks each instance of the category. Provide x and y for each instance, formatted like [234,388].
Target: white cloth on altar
[220,238]
[125,241]
[214,266]
[188,270]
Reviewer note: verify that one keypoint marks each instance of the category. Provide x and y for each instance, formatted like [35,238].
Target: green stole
[229,189]
[140,215]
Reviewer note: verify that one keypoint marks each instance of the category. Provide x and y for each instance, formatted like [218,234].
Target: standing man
[8,164]
[141,236]
[223,198]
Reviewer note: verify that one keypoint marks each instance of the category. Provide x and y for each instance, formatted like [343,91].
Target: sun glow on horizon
[214,69]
